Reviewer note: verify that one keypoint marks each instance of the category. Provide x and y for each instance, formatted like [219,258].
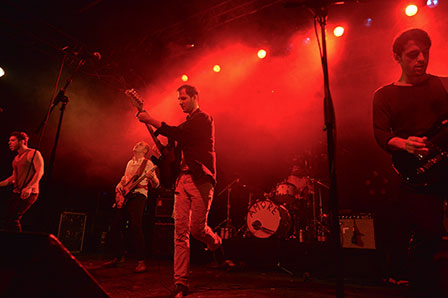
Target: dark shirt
[403,111]
[196,138]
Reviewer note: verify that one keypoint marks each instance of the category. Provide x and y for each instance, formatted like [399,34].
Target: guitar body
[424,171]
[168,163]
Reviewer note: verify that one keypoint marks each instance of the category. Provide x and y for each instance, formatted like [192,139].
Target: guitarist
[402,112]
[131,196]
[194,188]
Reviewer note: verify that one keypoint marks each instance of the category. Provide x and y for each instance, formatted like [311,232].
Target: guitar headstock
[137,100]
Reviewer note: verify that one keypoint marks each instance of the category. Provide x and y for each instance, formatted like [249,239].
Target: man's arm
[38,163]
[146,118]
[7,181]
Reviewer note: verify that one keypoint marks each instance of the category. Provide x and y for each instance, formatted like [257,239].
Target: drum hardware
[226,228]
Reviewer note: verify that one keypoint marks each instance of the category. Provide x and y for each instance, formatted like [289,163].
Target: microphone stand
[228,220]
[321,14]
[60,97]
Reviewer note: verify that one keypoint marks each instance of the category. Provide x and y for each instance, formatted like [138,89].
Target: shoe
[180,291]
[221,261]
[141,267]
[114,262]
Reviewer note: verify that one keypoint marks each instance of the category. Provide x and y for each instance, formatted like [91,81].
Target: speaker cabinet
[163,239]
[72,229]
[38,265]
[357,231]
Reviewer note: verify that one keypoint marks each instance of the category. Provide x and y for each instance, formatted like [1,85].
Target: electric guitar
[168,162]
[421,171]
[122,196]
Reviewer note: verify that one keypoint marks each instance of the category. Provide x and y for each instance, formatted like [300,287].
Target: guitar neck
[154,138]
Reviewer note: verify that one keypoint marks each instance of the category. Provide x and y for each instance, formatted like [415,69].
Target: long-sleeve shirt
[403,111]
[196,140]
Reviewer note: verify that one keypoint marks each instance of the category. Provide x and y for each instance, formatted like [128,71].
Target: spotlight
[338,31]
[184,78]
[368,22]
[411,10]
[216,68]
[261,53]
[432,3]
[2,72]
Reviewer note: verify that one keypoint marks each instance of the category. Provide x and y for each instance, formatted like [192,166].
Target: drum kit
[295,208]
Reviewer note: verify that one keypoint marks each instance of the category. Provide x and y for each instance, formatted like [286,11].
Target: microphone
[96,56]
[317,3]
[82,54]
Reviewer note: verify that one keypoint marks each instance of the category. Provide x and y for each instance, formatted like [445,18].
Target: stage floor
[252,277]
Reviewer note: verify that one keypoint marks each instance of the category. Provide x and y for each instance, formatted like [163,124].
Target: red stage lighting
[261,53]
[338,31]
[411,10]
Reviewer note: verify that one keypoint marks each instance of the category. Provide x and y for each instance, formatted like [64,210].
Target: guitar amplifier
[357,231]
[164,206]
[71,231]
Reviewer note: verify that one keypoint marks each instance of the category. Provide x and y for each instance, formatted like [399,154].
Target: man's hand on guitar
[144,117]
[416,145]
[119,200]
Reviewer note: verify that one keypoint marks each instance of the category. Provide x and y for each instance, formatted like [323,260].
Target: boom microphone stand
[320,11]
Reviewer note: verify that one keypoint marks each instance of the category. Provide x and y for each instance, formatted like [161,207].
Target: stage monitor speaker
[38,265]
[357,231]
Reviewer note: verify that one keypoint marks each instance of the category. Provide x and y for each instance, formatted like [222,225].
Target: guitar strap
[141,168]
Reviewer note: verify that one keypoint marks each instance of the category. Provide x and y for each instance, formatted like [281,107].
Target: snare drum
[266,219]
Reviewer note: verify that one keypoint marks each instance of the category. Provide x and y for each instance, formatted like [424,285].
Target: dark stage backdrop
[268,113]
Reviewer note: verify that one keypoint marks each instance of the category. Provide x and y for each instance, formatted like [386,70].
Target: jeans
[133,210]
[192,203]
[16,209]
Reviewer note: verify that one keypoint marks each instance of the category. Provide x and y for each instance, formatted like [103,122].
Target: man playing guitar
[403,114]
[131,195]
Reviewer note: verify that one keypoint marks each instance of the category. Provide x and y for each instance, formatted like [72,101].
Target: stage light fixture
[216,68]
[368,22]
[411,10]
[262,53]
[338,31]
[2,72]
[432,3]
[184,78]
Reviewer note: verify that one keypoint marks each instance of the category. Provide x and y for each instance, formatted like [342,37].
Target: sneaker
[141,267]
[114,262]
[180,290]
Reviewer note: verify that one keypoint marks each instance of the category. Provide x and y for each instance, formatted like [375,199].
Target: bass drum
[266,219]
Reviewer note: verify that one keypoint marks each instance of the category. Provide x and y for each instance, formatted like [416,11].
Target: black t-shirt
[403,111]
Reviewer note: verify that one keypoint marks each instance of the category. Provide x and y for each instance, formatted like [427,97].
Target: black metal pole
[58,132]
[330,127]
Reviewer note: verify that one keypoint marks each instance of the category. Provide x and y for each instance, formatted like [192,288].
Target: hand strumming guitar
[413,145]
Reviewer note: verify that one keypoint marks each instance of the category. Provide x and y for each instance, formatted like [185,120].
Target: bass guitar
[168,161]
[121,197]
[421,171]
